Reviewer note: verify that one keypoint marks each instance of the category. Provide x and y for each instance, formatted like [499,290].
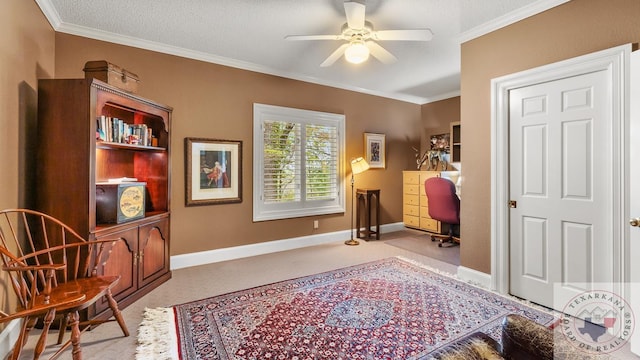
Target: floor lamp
[358,165]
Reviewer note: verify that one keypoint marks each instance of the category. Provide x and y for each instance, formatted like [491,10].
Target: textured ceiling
[249,34]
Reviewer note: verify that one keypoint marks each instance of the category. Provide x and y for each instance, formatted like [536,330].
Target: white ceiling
[249,34]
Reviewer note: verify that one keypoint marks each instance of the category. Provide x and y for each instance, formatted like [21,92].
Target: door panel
[577,154]
[154,240]
[560,231]
[535,250]
[576,252]
[121,262]
[534,160]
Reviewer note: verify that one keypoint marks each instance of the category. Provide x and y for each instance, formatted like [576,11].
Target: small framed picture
[440,142]
[213,171]
[374,150]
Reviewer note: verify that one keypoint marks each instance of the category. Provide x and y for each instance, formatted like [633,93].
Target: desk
[364,197]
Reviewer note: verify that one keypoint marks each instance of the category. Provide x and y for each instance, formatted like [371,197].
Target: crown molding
[50,13]
[448,95]
[54,19]
[510,18]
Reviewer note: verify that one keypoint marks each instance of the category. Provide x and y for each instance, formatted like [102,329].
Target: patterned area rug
[387,309]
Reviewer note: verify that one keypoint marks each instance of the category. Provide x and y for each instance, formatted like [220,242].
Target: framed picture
[374,150]
[440,142]
[213,171]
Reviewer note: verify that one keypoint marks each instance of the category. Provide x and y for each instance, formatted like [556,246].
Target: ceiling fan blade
[355,14]
[335,55]
[380,53]
[406,35]
[313,37]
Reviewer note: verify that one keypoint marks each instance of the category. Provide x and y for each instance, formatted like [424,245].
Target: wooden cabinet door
[410,199]
[122,262]
[154,250]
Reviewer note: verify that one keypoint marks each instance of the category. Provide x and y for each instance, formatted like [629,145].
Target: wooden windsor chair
[53,270]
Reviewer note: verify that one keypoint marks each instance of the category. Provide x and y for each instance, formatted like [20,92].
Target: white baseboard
[475,276]
[237,252]
[8,337]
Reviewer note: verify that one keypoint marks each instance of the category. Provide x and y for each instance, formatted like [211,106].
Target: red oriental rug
[387,309]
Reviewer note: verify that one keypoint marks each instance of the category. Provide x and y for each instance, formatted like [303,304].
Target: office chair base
[454,241]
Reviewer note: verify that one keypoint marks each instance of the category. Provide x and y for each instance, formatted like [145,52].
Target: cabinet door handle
[138,257]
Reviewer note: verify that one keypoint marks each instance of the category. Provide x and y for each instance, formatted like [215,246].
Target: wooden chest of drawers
[415,206]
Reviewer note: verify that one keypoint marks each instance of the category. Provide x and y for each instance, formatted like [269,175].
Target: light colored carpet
[422,244]
[106,342]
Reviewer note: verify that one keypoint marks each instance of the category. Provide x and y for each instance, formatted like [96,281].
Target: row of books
[112,129]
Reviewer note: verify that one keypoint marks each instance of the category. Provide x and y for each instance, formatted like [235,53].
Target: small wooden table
[364,197]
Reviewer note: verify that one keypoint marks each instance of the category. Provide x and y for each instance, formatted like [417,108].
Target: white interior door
[560,179]
[634,196]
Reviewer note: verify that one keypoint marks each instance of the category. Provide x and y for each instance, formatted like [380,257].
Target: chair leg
[116,313]
[442,239]
[42,340]
[75,336]
[22,339]
[449,238]
[64,322]
[28,325]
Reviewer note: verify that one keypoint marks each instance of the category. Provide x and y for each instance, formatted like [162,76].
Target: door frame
[616,62]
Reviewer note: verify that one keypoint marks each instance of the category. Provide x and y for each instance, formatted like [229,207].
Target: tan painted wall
[215,101]
[26,53]
[437,118]
[576,28]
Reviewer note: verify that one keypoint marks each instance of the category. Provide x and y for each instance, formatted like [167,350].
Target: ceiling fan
[361,38]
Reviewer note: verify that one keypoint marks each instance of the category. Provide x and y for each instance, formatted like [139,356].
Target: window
[297,162]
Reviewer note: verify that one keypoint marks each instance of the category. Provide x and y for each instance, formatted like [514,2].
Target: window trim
[264,212]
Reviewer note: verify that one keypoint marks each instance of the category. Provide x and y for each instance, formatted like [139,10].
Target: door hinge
[513,204]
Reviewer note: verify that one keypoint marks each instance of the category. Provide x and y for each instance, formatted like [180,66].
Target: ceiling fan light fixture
[357,52]
[360,38]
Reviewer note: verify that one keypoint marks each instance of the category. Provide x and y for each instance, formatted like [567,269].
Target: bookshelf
[455,143]
[73,157]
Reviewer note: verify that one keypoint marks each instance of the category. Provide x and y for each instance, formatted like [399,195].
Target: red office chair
[444,206]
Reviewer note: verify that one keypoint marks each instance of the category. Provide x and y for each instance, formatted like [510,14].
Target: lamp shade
[357,52]
[359,165]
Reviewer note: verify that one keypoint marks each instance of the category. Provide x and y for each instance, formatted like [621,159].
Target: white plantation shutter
[321,164]
[282,162]
[297,162]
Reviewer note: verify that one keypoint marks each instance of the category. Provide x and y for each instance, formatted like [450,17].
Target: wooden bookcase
[71,160]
